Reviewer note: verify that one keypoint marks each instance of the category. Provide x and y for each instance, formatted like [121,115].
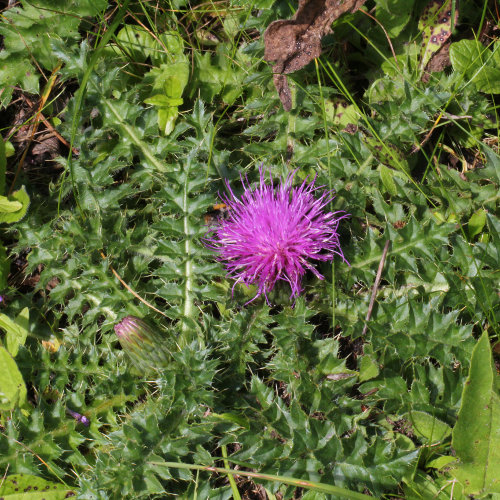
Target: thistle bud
[144,346]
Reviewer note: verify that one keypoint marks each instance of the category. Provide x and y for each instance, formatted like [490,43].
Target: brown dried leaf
[293,43]
[47,147]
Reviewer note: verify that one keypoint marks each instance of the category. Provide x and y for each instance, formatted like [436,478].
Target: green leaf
[440,462]
[479,64]
[368,369]
[16,206]
[429,427]
[389,155]
[7,206]
[9,149]
[17,330]
[17,70]
[339,112]
[386,176]
[163,100]
[171,79]
[28,487]
[476,435]
[138,44]
[218,74]
[166,119]
[476,223]
[135,42]
[12,388]
[394,15]
[170,48]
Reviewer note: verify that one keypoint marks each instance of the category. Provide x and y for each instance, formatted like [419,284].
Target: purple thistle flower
[271,233]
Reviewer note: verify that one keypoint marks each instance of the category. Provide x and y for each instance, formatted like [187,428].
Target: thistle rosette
[272,233]
[144,346]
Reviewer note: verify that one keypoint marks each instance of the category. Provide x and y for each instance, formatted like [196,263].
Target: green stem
[188,267]
[232,482]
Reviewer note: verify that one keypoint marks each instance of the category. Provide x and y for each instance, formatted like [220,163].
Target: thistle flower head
[144,346]
[272,233]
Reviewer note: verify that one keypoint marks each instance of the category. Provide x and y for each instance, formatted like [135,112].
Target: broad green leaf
[440,462]
[20,201]
[7,206]
[163,100]
[340,112]
[135,42]
[171,79]
[166,119]
[169,49]
[476,435]
[168,79]
[480,65]
[429,427]
[28,487]
[138,44]
[9,149]
[476,223]
[435,25]
[17,331]
[12,388]
[394,15]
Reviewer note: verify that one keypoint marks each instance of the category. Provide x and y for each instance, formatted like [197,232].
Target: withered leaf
[435,24]
[293,43]
[438,61]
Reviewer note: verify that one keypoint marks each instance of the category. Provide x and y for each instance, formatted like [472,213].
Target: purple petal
[271,233]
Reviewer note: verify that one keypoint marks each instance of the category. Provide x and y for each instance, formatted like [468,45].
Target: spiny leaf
[310,485]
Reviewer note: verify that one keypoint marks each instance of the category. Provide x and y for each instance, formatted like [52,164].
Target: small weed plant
[133,134]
